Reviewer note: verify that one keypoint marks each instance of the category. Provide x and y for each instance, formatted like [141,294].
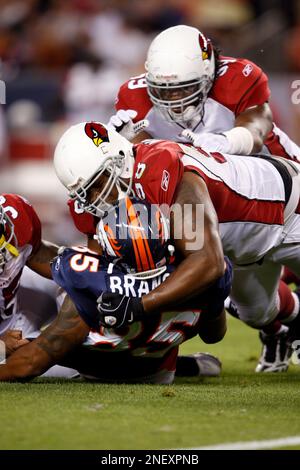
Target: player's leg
[94,363]
[289,277]
[211,329]
[255,294]
[198,365]
[289,254]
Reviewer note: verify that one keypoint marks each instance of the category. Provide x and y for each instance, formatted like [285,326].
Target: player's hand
[208,141]
[13,340]
[123,124]
[117,310]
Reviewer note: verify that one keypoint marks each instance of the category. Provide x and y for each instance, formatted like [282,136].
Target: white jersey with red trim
[248,194]
[240,84]
[27,229]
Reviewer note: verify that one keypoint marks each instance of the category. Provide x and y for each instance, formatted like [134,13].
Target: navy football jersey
[84,275]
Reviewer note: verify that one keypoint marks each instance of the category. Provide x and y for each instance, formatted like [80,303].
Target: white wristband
[240,141]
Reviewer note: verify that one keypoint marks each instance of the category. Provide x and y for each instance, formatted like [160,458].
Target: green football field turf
[238,406]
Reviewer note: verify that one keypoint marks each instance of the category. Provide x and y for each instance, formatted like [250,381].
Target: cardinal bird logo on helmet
[206,46]
[97,132]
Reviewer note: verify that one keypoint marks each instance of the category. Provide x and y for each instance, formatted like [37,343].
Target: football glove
[122,123]
[208,141]
[116,310]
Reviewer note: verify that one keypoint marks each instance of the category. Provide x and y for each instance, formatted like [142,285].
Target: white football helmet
[84,153]
[180,72]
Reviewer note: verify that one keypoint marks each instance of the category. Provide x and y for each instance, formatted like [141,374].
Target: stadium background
[63,62]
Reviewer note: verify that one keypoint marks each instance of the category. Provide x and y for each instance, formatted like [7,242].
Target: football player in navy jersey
[144,351]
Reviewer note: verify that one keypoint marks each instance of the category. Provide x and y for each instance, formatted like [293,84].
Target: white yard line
[254,445]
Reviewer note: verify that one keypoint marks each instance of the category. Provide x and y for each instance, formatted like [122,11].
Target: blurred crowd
[63,62]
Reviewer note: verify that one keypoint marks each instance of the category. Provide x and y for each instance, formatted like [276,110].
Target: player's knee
[213,331]
[256,316]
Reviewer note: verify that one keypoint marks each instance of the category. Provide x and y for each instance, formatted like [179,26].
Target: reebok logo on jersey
[247,70]
[165,180]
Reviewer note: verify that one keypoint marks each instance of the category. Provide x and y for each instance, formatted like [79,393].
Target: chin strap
[192,117]
[12,249]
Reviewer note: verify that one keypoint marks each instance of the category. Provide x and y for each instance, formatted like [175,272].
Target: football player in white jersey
[20,244]
[191,94]
[251,207]
[24,310]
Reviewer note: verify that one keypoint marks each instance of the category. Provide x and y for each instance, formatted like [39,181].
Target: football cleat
[198,365]
[276,352]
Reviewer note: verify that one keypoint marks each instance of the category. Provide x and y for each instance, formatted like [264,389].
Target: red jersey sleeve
[240,84]
[158,171]
[84,222]
[133,95]
[26,222]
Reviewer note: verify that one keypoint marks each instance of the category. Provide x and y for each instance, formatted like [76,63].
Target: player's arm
[122,122]
[67,331]
[12,340]
[253,116]
[40,260]
[245,91]
[258,120]
[142,135]
[202,264]
[251,128]
[93,244]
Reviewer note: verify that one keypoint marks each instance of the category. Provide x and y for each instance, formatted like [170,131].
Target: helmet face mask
[104,184]
[180,73]
[180,102]
[8,239]
[95,164]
